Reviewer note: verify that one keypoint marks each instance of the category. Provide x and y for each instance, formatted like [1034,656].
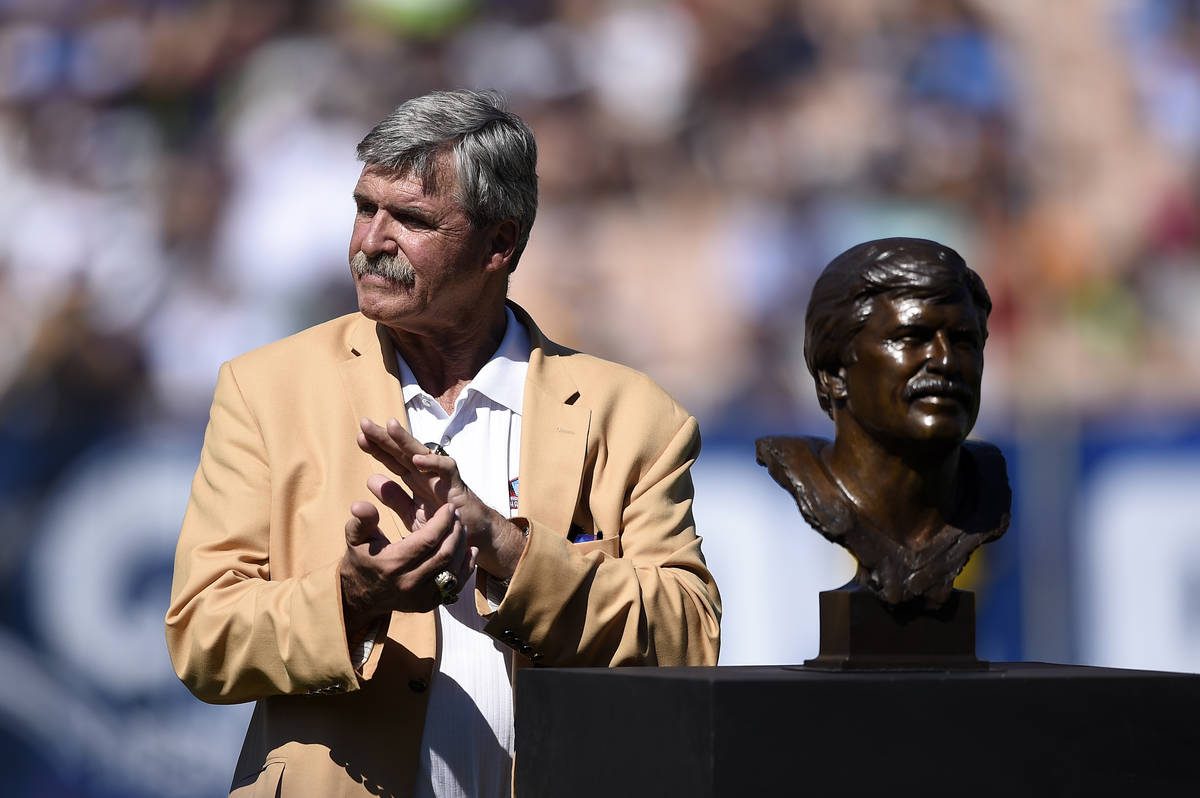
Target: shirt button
[417,685]
[445,440]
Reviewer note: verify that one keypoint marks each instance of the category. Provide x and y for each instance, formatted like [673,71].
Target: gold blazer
[255,610]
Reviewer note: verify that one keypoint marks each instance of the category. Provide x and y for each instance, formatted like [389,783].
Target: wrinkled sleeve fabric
[235,634]
[643,597]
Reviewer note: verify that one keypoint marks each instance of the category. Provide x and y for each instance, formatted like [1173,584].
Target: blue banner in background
[89,704]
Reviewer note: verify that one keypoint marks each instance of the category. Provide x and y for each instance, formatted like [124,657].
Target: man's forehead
[407,180]
[909,308]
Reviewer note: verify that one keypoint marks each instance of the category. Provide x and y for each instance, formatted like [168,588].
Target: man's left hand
[435,479]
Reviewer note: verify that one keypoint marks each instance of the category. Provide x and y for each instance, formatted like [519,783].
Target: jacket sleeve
[643,597]
[233,633]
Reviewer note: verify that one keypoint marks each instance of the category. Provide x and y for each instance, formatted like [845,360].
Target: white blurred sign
[1138,600]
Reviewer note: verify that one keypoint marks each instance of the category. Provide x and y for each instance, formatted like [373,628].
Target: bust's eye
[912,336]
[967,339]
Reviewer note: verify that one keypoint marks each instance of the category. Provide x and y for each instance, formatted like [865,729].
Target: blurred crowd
[177,174]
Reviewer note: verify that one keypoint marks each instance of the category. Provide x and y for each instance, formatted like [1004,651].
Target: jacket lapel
[374,393]
[554,435]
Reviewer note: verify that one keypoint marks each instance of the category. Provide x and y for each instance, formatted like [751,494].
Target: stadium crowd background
[175,180]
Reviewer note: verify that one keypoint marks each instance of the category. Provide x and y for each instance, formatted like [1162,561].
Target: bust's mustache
[931,385]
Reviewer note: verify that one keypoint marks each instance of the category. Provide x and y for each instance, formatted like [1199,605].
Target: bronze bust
[894,338]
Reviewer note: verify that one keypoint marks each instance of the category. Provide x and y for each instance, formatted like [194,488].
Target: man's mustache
[390,267]
[931,385]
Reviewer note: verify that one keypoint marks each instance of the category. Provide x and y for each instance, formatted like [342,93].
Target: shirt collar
[502,378]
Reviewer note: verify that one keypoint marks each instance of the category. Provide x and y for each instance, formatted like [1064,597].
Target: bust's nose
[941,356]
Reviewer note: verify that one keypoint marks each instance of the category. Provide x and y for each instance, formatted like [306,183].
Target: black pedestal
[859,631]
[1021,729]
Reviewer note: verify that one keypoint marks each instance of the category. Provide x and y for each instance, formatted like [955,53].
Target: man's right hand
[379,576]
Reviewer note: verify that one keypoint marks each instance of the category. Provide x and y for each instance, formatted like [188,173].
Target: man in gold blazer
[337,615]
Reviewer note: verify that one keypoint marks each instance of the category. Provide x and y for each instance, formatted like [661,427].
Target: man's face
[417,261]
[917,369]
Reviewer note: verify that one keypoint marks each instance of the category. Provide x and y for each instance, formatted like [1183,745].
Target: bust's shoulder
[993,506]
[795,463]
[988,462]
[800,453]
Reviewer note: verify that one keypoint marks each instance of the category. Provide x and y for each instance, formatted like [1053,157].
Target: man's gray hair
[495,156]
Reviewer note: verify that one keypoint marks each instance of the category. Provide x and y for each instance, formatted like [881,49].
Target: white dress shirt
[467,745]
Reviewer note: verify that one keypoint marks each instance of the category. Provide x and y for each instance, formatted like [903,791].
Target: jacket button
[417,685]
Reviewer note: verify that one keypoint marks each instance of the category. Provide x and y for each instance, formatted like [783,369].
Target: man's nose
[377,237]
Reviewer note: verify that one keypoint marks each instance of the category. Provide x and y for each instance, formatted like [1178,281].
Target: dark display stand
[860,632]
[1013,729]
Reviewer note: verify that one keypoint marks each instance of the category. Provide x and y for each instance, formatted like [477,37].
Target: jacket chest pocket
[610,546]
[586,536]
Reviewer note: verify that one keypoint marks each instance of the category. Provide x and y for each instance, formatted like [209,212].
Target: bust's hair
[841,299]
[493,151]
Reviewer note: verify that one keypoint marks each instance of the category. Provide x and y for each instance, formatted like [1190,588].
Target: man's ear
[834,384]
[501,246]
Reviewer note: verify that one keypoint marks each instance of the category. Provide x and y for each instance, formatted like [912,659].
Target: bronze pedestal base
[860,632]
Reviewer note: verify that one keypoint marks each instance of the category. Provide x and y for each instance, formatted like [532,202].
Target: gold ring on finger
[447,586]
